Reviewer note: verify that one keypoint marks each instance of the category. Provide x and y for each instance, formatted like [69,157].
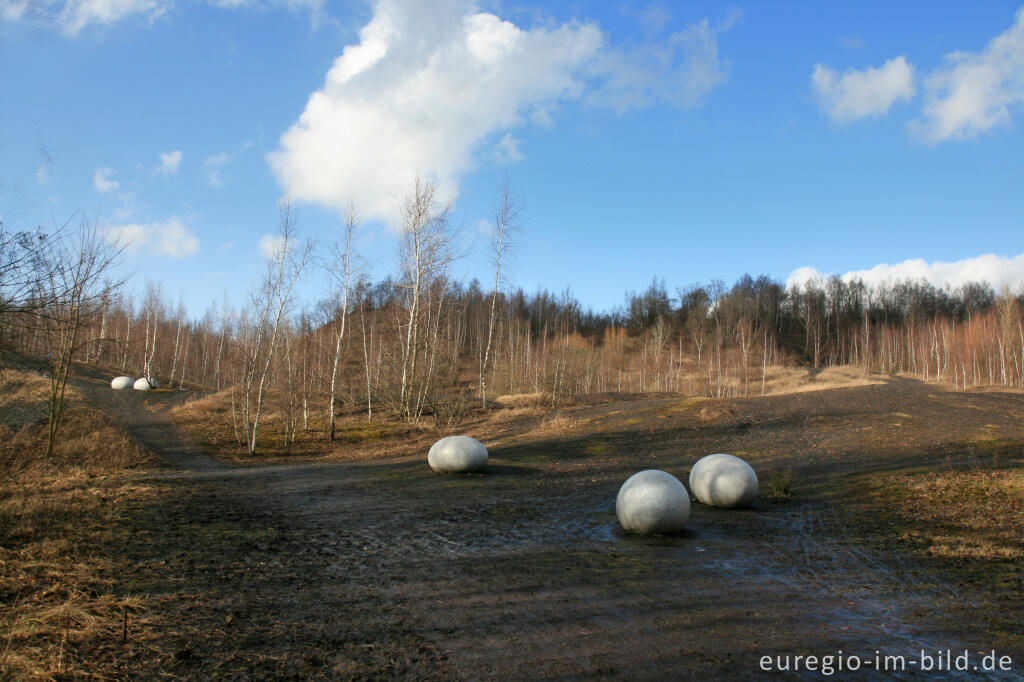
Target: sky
[680,141]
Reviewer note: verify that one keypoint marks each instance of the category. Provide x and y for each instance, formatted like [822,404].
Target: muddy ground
[381,568]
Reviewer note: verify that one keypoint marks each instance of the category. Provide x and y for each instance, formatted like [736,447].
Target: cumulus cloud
[169,162]
[426,83]
[998,271]
[856,94]
[170,238]
[974,92]
[429,86]
[102,181]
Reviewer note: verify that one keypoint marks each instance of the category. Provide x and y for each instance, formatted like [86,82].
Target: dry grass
[60,610]
[784,380]
[523,400]
[559,423]
[89,441]
[24,397]
[975,514]
[514,413]
[210,423]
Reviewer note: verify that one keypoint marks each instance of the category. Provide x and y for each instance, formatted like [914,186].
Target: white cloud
[270,245]
[169,162]
[77,14]
[170,238]
[857,94]
[975,92]
[212,166]
[654,18]
[996,270]
[102,181]
[427,83]
[507,150]
[680,72]
[73,16]
[431,87]
[13,10]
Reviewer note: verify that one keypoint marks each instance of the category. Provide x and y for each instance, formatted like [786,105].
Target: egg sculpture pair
[655,501]
[140,384]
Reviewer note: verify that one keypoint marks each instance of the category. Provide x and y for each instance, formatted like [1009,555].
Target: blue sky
[681,141]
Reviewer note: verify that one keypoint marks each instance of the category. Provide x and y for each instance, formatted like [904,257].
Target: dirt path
[143,415]
[381,568]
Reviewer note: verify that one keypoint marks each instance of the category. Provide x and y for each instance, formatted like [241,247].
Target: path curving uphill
[144,415]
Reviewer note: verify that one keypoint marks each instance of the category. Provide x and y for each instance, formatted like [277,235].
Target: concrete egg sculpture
[722,480]
[652,501]
[142,384]
[119,383]
[457,455]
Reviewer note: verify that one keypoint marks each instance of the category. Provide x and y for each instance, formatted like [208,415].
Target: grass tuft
[780,484]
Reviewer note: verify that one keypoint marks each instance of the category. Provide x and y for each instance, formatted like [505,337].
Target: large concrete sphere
[457,455]
[119,383]
[142,384]
[722,480]
[652,501]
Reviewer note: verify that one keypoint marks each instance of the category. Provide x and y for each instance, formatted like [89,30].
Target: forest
[422,344]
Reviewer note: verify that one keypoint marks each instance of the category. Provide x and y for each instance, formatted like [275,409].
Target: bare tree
[341,271]
[426,252]
[505,227]
[154,310]
[285,264]
[22,273]
[72,287]
[366,361]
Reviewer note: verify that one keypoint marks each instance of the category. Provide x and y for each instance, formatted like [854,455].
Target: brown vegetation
[971,514]
[62,609]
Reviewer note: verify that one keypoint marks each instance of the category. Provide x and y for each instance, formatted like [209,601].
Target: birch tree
[285,263]
[426,251]
[341,271]
[505,227]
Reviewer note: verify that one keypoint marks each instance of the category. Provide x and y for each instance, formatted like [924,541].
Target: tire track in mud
[526,576]
[862,600]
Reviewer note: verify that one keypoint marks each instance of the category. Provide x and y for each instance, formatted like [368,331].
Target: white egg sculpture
[722,480]
[457,455]
[652,501]
[142,384]
[119,383]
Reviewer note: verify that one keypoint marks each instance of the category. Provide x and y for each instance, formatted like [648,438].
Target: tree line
[422,344]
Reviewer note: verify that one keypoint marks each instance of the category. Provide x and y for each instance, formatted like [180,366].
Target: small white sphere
[142,384]
[119,383]
[722,480]
[652,501]
[457,455]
